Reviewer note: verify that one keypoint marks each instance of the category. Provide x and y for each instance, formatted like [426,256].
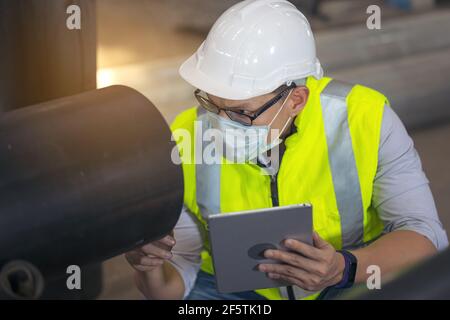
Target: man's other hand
[309,267]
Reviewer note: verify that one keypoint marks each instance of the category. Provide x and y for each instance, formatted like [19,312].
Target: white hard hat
[252,49]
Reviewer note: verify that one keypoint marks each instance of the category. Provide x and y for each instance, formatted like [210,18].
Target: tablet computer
[238,241]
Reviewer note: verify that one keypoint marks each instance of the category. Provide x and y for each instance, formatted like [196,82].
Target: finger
[142,263]
[162,245]
[293,259]
[150,262]
[303,248]
[143,268]
[319,242]
[283,269]
[133,257]
[168,240]
[151,249]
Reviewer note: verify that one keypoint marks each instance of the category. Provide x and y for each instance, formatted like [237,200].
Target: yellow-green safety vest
[329,162]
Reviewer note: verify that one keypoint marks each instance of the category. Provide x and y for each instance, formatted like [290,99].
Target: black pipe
[20,280]
[85,178]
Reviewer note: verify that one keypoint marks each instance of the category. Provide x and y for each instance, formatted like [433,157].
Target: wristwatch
[351,263]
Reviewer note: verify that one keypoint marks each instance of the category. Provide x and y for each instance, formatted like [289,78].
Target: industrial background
[141,44]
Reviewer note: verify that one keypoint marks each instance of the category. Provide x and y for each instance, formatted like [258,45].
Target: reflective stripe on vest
[342,162]
[207,190]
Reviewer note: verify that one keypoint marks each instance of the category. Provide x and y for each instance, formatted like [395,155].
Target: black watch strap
[351,264]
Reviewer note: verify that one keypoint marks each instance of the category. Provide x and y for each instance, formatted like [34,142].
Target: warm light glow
[105,78]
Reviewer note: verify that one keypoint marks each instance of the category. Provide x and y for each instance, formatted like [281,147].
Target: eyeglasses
[241,116]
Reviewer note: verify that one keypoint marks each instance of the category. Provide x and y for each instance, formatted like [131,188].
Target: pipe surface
[356,45]
[85,178]
[417,86]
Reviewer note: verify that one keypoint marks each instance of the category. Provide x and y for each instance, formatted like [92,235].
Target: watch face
[352,269]
[352,273]
[351,264]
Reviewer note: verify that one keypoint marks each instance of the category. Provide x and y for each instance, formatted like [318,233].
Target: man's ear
[298,98]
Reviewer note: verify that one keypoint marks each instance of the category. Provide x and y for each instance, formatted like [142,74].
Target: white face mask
[246,143]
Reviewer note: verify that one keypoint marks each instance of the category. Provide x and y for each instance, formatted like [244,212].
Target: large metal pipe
[417,86]
[85,178]
[407,59]
[352,46]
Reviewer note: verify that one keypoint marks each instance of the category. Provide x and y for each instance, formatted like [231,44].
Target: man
[339,147]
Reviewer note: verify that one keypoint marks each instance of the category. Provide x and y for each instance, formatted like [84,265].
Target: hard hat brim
[198,79]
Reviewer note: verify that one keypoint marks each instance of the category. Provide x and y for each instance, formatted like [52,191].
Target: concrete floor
[142,42]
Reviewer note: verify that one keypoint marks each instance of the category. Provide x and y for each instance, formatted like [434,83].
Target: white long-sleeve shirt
[401,196]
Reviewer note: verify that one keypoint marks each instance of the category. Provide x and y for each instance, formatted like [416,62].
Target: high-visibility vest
[329,162]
